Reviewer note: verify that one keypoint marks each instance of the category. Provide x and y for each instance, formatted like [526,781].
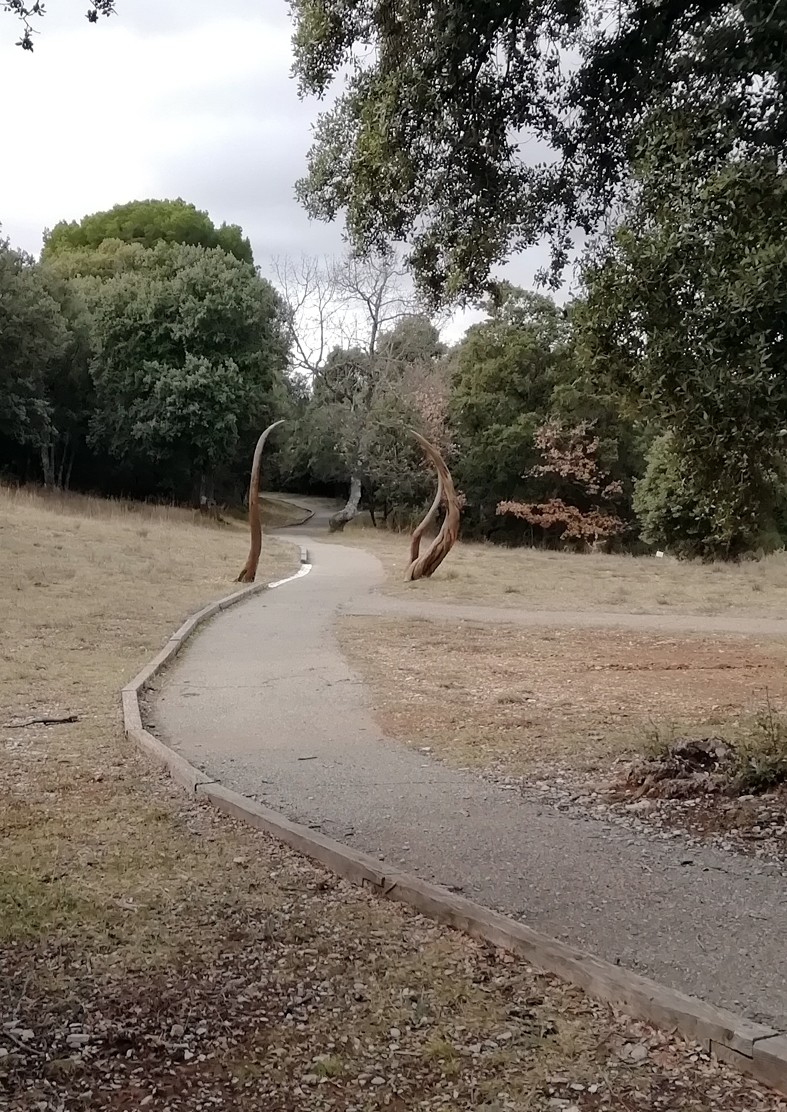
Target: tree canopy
[188,348]
[146,370]
[33,337]
[147,223]
[686,316]
[473,130]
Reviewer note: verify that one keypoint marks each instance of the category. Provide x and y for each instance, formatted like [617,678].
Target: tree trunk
[350,509]
[207,500]
[72,453]
[63,456]
[249,570]
[48,464]
[424,566]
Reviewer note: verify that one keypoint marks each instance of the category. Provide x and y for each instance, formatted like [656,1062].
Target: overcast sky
[182,98]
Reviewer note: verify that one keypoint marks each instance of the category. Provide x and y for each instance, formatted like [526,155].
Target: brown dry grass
[527,700]
[532,579]
[278,513]
[154,955]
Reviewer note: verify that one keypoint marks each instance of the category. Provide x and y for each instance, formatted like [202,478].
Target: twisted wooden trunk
[422,567]
[249,572]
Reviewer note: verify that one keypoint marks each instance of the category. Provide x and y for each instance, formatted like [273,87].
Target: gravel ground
[327,1000]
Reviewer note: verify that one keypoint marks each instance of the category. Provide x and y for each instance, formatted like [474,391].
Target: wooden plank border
[752,1048]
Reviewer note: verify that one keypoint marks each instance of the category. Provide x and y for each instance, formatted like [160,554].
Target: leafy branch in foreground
[458,127]
[27,13]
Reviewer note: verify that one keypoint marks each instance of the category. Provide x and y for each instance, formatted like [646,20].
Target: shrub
[699,508]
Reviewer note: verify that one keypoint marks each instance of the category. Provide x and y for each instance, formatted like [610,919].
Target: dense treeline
[144,350]
[135,363]
[143,365]
[663,142]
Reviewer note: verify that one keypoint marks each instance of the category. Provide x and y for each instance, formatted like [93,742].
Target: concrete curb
[752,1048]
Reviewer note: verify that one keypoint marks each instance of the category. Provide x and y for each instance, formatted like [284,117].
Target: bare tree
[346,304]
[309,289]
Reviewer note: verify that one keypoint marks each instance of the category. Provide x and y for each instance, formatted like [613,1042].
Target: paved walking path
[263,700]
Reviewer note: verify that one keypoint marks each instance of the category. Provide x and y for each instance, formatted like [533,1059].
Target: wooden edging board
[750,1047]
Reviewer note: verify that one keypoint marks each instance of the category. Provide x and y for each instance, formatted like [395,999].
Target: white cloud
[163,100]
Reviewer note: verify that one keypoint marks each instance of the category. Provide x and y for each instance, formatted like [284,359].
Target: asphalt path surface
[263,700]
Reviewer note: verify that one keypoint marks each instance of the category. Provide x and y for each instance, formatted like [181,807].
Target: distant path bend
[264,701]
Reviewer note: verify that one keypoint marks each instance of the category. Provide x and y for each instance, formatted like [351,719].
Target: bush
[700,508]
[762,754]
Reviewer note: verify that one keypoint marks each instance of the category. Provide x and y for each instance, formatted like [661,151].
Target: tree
[188,350]
[685,313]
[356,302]
[410,394]
[461,129]
[27,12]
[505,371]
[588,513]
[146,223]
[68,385]
[33,340]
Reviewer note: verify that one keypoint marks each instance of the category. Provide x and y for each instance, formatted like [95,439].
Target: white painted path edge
[752,1048]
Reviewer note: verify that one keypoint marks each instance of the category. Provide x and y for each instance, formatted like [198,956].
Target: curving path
[264,701]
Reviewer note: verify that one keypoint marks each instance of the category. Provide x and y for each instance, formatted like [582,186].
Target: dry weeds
[154,955]
[530,700]
[533,579]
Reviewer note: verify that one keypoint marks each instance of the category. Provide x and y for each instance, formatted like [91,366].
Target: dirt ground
[154,955]
[531,700]
[533,579]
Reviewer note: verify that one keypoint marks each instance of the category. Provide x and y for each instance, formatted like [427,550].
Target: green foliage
[69,386]
[694,512]
[511,375]
[685,314]
[188,350]
[395,477]
[442,107]
[504,374]
[413,339]
[761,754]
[147,223]
[33,340]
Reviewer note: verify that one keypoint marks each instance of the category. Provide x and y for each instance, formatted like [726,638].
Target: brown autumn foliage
[569,455]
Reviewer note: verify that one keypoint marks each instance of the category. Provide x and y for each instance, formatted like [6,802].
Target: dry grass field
[533,579]
[536,700]
[156,956]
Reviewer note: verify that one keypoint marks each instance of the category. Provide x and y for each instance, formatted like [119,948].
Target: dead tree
[422,567]
[249,572]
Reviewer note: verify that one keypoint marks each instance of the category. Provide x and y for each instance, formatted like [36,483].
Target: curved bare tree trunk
[430,515]
[350,509]
[249,572]
[423,566]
